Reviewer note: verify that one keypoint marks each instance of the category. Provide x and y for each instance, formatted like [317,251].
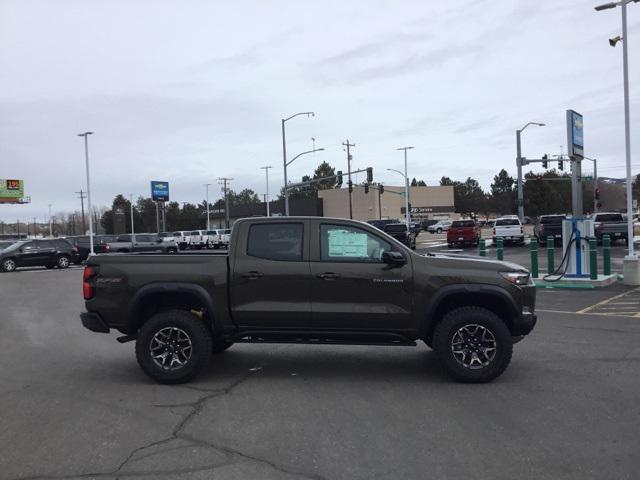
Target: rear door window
[276,241]
[463,223]
[609,217]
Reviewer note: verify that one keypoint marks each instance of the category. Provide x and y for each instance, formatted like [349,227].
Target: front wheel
[473,344]
[9,265]
[173,346]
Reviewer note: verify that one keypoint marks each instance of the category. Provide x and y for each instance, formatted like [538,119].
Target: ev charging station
[575,232]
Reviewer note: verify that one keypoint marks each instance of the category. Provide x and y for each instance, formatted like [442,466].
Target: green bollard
[593,259]
[606,254]
[550,252]
[534,257]
[500,245]
[483,248]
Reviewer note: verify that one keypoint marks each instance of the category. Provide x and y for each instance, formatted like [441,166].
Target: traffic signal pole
[349,145]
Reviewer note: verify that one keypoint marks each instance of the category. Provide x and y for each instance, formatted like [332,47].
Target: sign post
[575,144]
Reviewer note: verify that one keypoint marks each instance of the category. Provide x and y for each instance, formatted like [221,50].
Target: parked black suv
[402,233]
[39,253]
[84,248]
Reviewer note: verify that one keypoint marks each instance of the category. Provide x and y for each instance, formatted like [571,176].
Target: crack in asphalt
[177,434]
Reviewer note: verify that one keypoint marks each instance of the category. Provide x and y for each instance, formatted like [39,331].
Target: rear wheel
[9,265]
[439,230]
[63,261]
[173,346]
[473,344]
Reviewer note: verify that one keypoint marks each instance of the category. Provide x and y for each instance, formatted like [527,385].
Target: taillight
[107,247]
[88,291]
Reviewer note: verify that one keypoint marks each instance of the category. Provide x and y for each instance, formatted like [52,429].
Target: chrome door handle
[252,275]
[329,276]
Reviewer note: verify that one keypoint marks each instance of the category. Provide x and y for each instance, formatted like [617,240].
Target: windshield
[609,217]
[463,223]
[506,222]
[552,219]
[15,246]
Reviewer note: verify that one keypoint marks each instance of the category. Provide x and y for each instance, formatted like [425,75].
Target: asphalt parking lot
[74,404]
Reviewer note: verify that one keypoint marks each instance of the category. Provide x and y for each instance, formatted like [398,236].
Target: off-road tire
[199,336]
[459,318]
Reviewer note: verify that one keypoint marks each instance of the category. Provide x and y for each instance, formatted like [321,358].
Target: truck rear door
[270,275]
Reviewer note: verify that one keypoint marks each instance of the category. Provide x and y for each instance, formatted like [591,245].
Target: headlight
[517,278]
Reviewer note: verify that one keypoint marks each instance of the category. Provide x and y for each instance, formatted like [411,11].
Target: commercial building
[426,203]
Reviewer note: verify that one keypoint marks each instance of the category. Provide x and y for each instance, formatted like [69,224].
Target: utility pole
[224,181]
[82,197]
[50,226]
[379,204]
[131,206]
[206,186]
[35,224]
[86,159]
[266,171]
[350,184]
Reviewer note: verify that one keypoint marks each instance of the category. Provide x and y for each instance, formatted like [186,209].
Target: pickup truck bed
[309,280]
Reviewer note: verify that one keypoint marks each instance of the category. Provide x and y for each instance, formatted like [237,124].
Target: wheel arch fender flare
[503,301]
[135,304]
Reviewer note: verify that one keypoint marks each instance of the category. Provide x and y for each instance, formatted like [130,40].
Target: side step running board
[325,338]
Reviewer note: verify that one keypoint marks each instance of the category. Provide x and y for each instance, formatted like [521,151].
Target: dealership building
[426,203]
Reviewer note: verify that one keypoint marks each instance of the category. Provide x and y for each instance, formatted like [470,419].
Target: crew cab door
[352,289]
[270,276]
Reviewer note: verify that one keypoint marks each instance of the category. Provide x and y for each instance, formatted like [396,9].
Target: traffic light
[366,188]
[339,174]
[350,186]
[381,188]
[545,163]
[597,194]
[560,165]
[369,174]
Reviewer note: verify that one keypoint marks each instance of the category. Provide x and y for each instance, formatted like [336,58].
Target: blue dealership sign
[575,134]
[160,191]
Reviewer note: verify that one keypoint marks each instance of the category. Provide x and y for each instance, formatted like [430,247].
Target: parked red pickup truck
[463,232]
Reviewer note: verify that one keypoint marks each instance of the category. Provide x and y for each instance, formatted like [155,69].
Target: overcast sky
[189,91]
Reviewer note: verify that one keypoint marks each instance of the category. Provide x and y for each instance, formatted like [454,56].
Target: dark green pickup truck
[309,280]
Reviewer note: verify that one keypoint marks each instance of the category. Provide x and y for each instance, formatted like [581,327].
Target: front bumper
[523,325]
[94,322]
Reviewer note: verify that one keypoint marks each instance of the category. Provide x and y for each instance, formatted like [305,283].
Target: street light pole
[284,157]
[206,186]
[631,265]
[406,193]
[86,158]
[50,228]
[406,185]
[266,198]
[519,165]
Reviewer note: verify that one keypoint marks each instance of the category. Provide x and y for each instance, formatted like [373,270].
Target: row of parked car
[62,252]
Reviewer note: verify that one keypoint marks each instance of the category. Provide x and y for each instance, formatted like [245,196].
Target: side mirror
[393,258]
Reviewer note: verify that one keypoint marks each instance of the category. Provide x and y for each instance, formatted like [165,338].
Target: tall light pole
[284,157]
[407,187]
[206,186]
[406,193]
[631,265]
[266,172]
[50,227]
[86,159]
[286,186]
[519,165]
